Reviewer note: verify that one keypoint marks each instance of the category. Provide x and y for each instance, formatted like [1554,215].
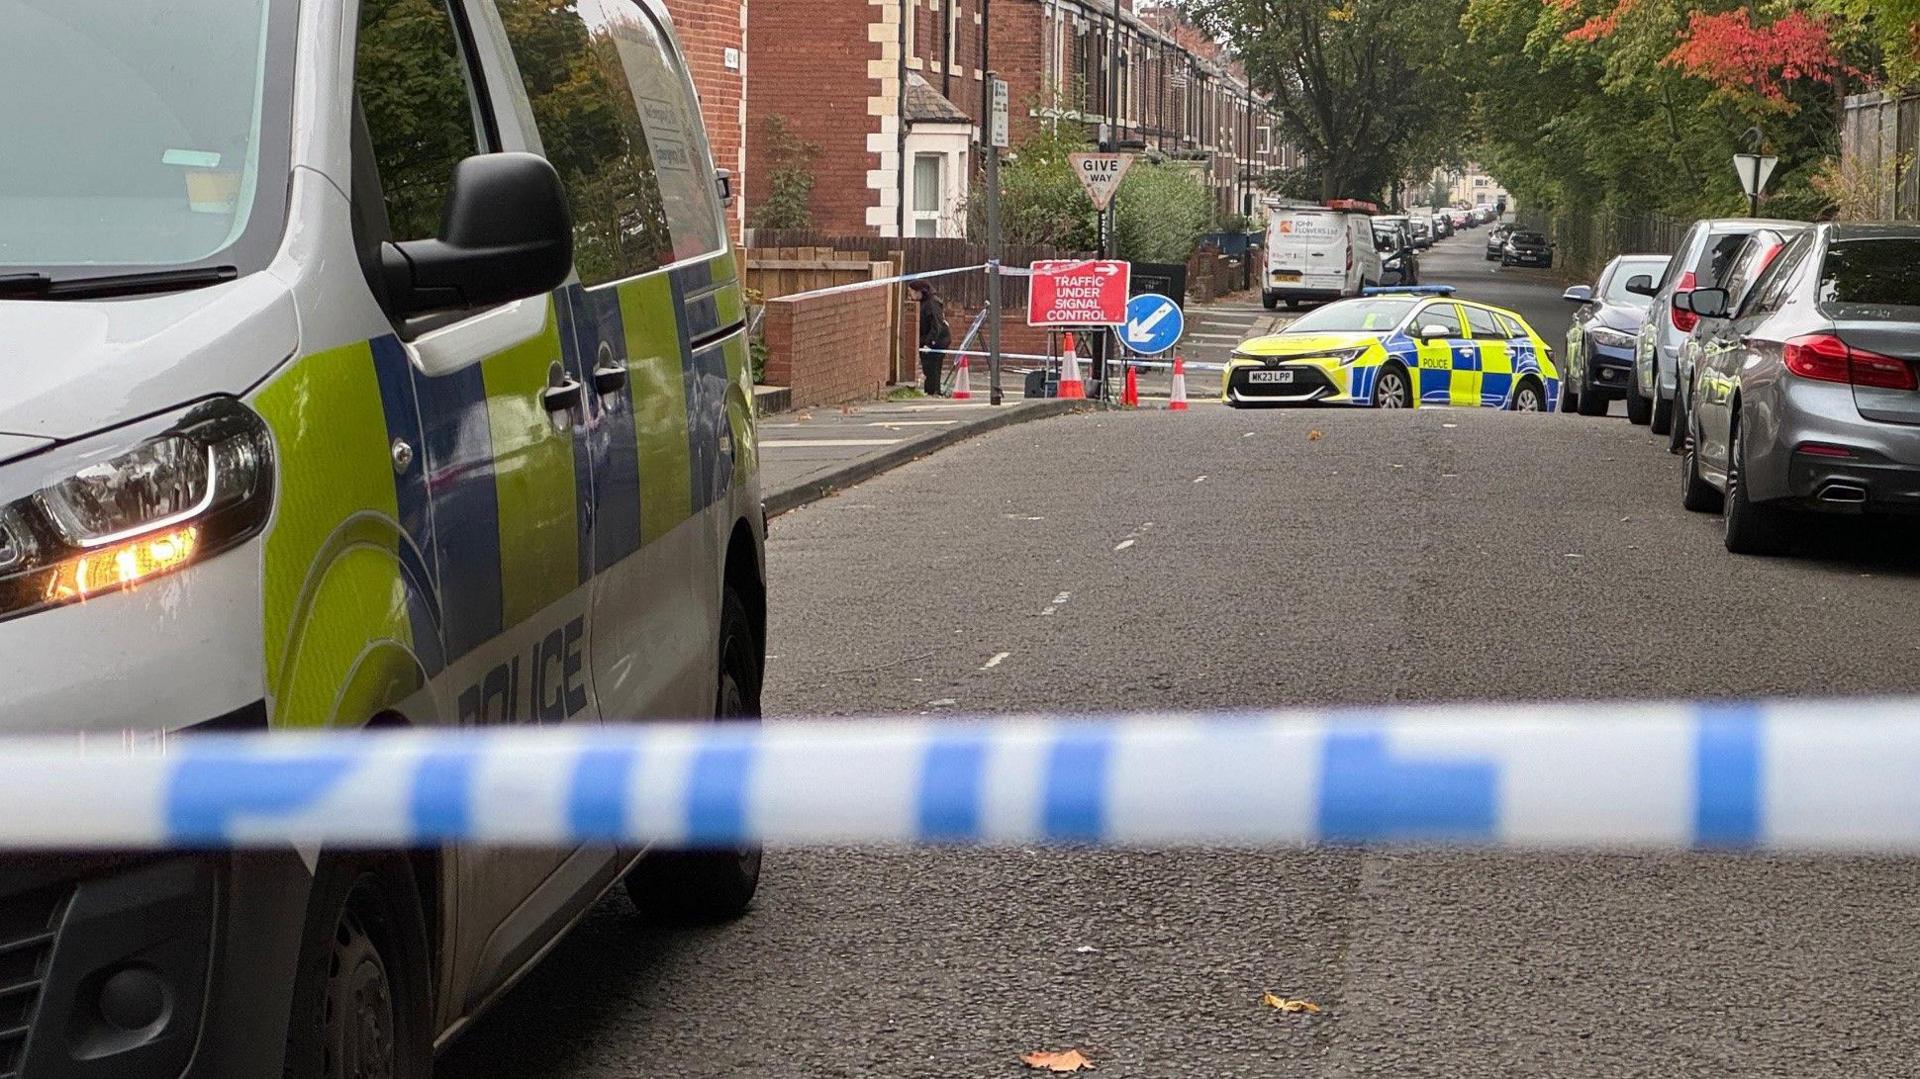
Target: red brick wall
[707,29]
[1016,40]
[829,349]
[809,65]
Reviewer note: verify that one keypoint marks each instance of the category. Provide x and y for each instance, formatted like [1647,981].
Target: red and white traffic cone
[962,385]
[1130,396]
[1179,401]
[1070,385]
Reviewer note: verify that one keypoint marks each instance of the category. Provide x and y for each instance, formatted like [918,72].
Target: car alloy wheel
[1527,398]
[1391,390]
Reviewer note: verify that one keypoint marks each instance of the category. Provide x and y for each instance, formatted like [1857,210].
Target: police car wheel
[363,992]
[1391,388]
[1528,397]
[702,886]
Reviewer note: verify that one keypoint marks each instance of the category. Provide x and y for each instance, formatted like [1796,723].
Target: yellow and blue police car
[1398,348]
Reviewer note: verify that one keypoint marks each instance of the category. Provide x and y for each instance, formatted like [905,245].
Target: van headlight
[122,509]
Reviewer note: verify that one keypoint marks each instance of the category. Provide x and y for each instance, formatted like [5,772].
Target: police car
[369,363]
[1398,348]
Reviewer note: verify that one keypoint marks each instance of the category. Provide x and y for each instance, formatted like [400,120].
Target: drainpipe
[946,49]
[900,128]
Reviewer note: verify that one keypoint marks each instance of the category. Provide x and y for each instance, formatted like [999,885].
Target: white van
[1319,254]
[362,363]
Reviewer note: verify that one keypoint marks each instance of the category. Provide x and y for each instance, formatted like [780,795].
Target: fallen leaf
[1291,1007]
[1315,436]
[1070,1061]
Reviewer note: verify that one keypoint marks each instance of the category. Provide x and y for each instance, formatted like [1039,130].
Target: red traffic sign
[1078,292]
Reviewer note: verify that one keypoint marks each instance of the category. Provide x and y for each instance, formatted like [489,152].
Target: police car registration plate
[1269,376]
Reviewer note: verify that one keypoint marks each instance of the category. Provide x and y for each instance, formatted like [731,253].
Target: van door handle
[562,396]
[608,378]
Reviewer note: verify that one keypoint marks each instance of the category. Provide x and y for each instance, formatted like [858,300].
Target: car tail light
[1826,358]
[1684,321]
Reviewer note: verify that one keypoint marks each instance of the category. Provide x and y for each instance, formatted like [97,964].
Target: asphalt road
[1417,556]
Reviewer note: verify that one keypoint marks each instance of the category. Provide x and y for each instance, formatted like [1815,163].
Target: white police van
[362,362]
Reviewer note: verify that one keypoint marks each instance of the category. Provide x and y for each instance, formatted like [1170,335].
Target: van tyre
[1269,301]
[1753,528]
[704,886]
[363,991]
[1639,411]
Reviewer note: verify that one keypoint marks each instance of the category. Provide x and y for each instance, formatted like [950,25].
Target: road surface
[1398,557]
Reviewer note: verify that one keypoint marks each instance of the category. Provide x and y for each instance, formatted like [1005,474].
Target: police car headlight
[108,515]
[1611,338]
[1346,355]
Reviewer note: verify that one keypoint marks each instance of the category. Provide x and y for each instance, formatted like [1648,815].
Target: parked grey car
[1702,260]
[1600,340]
[1759,250]
[1817,405]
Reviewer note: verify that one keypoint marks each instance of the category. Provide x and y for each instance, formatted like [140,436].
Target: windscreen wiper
[41,286]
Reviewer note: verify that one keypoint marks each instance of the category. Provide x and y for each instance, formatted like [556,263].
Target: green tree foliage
[1892,27]
[1160,211]
[788,202]
[1365,88]
[1639,105]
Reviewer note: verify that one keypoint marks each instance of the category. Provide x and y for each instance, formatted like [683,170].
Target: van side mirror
[1708,302]
[1641,285]
[506,233]
[1578,294]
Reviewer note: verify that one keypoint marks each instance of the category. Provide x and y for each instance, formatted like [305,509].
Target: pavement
[1399,557]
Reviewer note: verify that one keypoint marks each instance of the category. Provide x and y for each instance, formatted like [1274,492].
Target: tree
[1358,84]
[788,201]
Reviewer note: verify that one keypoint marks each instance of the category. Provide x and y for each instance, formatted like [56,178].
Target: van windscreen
[142,135]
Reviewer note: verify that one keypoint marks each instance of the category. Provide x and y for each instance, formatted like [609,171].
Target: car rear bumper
[1305,292]
[1800,459]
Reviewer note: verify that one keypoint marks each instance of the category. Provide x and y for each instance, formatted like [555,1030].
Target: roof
[925,105]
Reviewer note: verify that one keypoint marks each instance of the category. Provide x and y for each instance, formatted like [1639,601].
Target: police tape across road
[1117,361]
[1798,776]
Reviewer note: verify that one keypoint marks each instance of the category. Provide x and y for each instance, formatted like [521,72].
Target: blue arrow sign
[1154,324]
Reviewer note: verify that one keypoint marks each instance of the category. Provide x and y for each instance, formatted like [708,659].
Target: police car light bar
[1409,290]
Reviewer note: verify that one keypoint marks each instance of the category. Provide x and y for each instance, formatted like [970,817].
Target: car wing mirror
[1578,294]
[506,233]
[1432,332]
[1683,301]
[1641,285]
[1708,302]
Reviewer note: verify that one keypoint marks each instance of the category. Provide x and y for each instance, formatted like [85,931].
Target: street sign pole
[996,140]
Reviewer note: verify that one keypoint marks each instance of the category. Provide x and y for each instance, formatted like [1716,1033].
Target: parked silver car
[1762,246]
[1817,405]
[1702,260]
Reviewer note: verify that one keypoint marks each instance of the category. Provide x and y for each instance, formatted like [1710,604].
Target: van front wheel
[363,992]
[702,886]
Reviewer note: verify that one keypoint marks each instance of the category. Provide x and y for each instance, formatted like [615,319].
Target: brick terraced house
[891,92]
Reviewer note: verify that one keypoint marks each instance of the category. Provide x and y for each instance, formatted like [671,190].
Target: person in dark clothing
[934,335]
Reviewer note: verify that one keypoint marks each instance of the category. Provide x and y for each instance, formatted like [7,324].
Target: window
[1878,272]
[929,193]
[1482,323]
[1510,329]
[1441,315]
[612,120]
[1769,291]
[419,108]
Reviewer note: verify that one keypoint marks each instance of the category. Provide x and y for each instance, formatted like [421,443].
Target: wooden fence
[1880,153]
[773,272]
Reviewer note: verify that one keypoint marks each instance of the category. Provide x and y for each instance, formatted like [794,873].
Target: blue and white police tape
[1802,776]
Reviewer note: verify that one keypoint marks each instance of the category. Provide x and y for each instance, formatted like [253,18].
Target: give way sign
[1078,292]
[1100,174]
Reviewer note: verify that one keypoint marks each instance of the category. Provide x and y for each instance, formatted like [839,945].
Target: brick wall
[811,65]
[829,349]
[707,29]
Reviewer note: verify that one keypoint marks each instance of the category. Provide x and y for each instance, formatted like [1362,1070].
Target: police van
[1320,253]
[363,363]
